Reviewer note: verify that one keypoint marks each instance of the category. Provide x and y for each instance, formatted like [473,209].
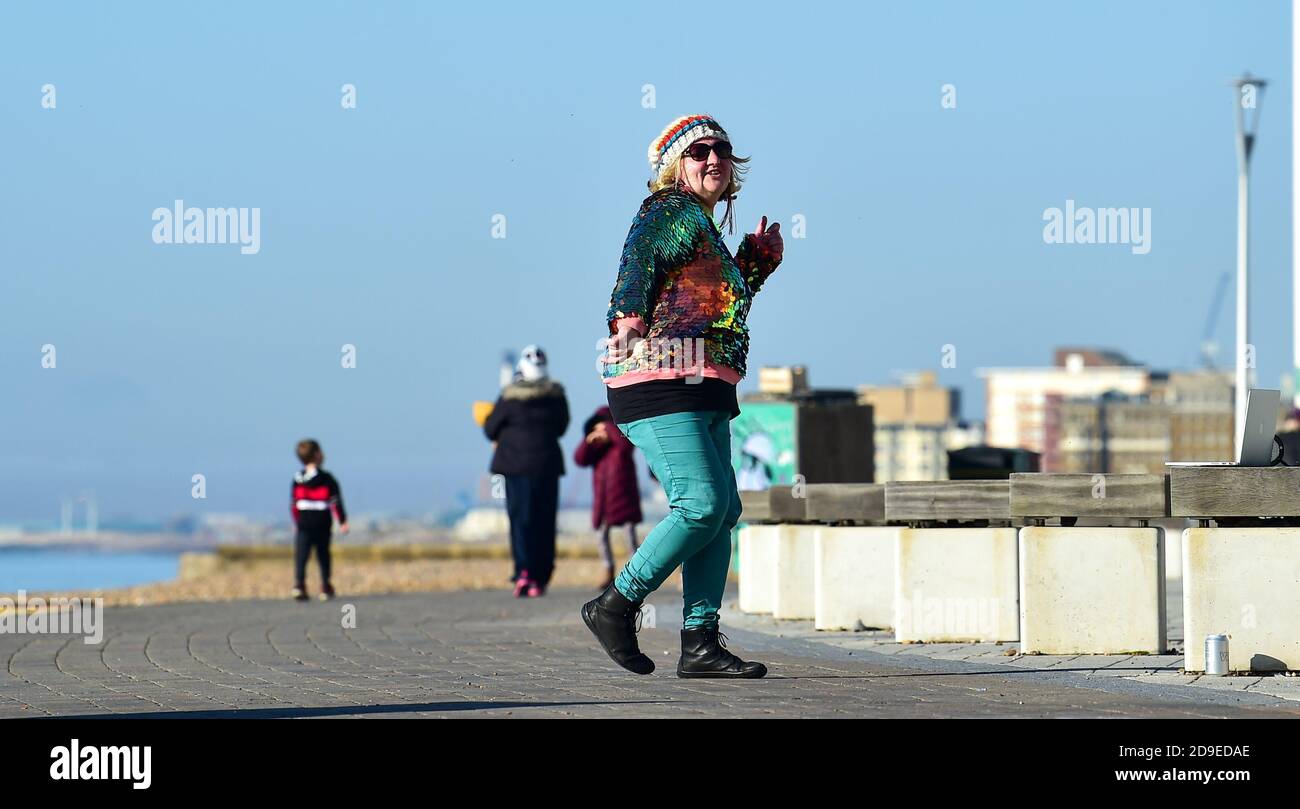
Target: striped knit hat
[677,137]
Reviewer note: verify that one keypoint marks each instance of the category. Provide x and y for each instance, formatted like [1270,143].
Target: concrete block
[1092,591]
[1242,582]
[853,577]
[757,548]
[956,585]
[794,572]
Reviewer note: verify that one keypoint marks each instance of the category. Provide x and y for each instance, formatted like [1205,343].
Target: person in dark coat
[616,498]
[525,424]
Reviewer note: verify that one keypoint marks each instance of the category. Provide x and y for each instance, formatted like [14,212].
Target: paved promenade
[485,654]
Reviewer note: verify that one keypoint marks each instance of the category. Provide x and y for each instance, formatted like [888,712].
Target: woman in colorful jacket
[677,347]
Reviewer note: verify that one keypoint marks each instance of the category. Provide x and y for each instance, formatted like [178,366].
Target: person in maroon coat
[616,498]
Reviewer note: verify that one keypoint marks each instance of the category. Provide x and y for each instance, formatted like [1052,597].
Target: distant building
[915,425]
[1097,411]
[1018,399]
[1112,433]
[782,380]
[918,400]
[1201,416]
[788,431]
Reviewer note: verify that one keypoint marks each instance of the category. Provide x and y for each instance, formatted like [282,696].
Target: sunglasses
[700,151]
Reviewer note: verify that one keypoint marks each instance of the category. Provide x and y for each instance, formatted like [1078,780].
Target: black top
[527,422]
[658,397]
[315,494]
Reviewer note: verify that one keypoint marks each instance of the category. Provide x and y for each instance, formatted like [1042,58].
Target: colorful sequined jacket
[686,293]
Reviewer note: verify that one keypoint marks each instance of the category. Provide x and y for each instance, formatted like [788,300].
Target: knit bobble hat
[677,138]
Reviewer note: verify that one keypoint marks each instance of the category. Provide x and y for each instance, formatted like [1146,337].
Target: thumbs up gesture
[769,238]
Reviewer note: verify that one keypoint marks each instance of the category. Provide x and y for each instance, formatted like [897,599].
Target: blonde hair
[671,176]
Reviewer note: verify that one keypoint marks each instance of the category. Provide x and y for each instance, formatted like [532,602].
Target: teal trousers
[690,453]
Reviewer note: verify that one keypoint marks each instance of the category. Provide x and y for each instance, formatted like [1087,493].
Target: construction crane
[1209,348]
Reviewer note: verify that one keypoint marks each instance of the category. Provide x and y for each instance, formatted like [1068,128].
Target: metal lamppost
[1247,93]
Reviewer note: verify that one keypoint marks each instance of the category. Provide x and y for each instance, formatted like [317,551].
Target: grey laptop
[1256,447]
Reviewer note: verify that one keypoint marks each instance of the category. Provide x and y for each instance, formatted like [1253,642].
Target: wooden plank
[915,501]
[785,507]
[1035,494]
[845,502]
[754,506]
[1234,491]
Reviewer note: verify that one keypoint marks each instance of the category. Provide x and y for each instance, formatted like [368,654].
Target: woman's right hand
[619,345]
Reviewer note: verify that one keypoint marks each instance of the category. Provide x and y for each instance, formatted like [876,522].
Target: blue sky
[924,224]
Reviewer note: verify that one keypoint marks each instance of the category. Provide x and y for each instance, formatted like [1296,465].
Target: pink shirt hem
[710,369]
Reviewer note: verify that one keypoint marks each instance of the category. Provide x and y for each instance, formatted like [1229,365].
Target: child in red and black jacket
[314,501]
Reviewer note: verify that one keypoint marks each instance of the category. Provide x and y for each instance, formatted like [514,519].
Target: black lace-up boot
[704,654]
[613,620]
